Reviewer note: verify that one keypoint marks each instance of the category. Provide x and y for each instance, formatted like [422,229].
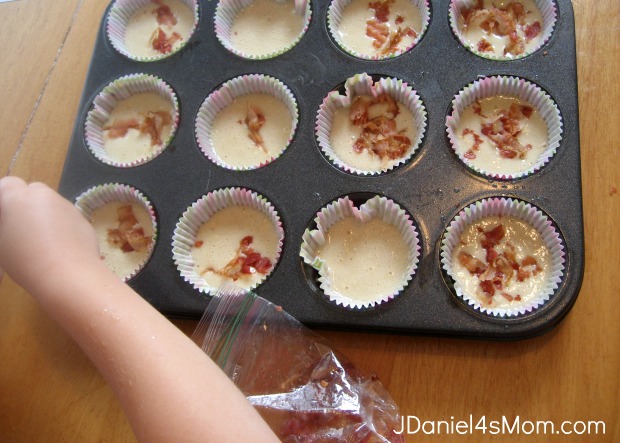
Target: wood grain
[50,392]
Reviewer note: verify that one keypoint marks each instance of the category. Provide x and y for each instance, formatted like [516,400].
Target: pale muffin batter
[365,260]
[266,26]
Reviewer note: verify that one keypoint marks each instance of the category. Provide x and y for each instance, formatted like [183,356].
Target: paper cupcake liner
[508,87]
[362,84]
[119,17]
[226,12]
[101,195]
[106,101]
[505,207]
[225,95]
[200,212]
[335,14]
[547,9]
[377,207]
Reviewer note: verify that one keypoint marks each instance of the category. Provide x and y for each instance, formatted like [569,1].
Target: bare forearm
[168,387]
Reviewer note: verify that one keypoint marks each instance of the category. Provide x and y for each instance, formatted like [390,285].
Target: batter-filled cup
[229,235]
[124,223]
[365,256]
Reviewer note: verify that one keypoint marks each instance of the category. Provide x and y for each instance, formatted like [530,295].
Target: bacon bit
[470,155]
[527,111]
[129,236]
[162,43]
[531,31]
[487,288]
[119,128]
[493,237]
[246,262]
[396,38]
[382,9]
[477,139]
[379,134]
[472,264]
[484,46]
[515,44]
[378,31]
[164,14]
[612,190]
[254,120]
[507,296]
[399,19]
[198,243]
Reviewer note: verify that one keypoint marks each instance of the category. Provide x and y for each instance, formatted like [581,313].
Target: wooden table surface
[50,392]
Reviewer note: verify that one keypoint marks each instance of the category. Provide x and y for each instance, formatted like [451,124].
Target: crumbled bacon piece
[531,31]
[382,9]
[612,190]
[153,125]
[379,135]
[477,107]
[484,46]
[396,38]
[198,243]
[164,14]
[129,235]
[246,262]
[254,120]
[493,237]
[163,43]
[477,140]
[399,19]
[470,155]
[472,264]
[119,128]
[378,31]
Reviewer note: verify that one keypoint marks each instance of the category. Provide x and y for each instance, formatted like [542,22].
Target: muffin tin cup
[547,9]
[505,207]
[334,18]
[508,87]
[184,237]
[363,84]
[100,195]
[377,207]
[226,12]
[225,96]
[119,16]
[105,102]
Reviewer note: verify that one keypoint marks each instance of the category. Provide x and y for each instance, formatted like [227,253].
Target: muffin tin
[433,186]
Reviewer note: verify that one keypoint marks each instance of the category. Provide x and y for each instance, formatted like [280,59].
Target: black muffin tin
[432,187]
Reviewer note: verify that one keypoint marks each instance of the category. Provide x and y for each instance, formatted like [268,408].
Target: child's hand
[41,233]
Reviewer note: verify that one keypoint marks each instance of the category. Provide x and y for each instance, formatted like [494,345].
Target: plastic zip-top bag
[306,391]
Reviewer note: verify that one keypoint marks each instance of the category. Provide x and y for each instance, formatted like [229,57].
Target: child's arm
[169,389]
